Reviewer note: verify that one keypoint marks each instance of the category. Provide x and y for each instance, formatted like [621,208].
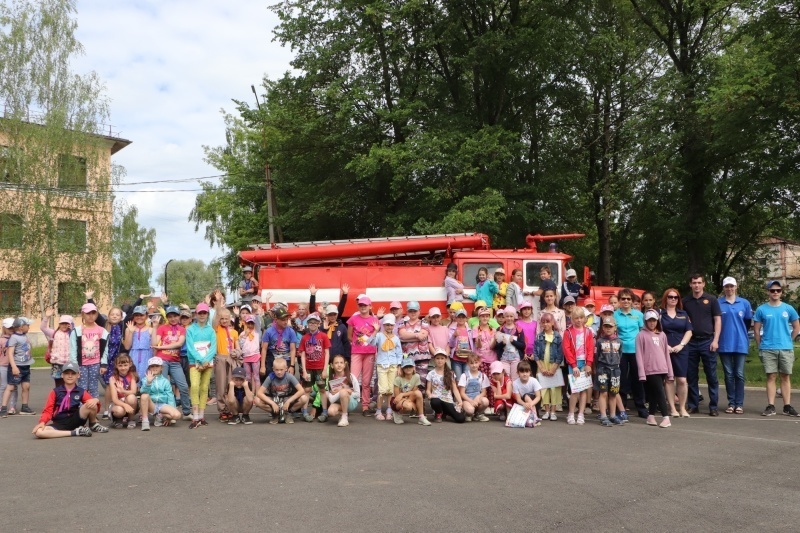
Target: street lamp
[165,275]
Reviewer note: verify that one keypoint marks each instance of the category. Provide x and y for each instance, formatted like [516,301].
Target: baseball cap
[500,271]
[587,302]
[455,306]
[651,315]
[247,269]
[88,308]
[510,310]
[773,282]
[172,310]
[569,300]
[155,361]
[388,318]
[500,311]
[245,306]
[485,311]
[729,281]
[255,298]
[496,367]
[413,306]
[407,361]
[434,312]
[440,351]
[364,300]
[202,306]
[461,312]
[395,305]
[141,310]
[238,372]
[609,320]
[524,304]
[331,309]
[607,308]
[8,323]
[21,321]
[186,312]
[71,367]
[571,272]
[314,316]
[480,303]
[66,319]
[250,318]
[280,312]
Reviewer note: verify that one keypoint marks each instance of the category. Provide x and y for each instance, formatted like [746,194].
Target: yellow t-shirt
[548,337]
[226,341]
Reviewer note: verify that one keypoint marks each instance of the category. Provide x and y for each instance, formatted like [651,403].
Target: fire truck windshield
[471,272]
[533,269]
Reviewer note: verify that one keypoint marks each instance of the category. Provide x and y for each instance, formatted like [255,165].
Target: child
[514,294]
[8,324]
[485,340]
[472,386]
[201,348]
[485,288]
[341,389]
[415,339]
[655,364]
[499,299]
[88,348]
[315,353]
[510,342]
[388,358]
[559,319]
[438,335]
[407,396]
[502,390]
[453,287]
[461,344]
[114,347]
[549,356]
[529,326]
[443,390]
[250,345]
[157,397]
[18,351]
[240,398]
[248,287]
[275,393]
[579,355]
[608,352]
[360,328]
[122,387]
[527,393]
[137,338]
[228,355]
[58,343]
[167,343]
[68,408]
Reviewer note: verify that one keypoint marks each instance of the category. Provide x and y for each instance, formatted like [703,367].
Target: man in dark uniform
[704,312]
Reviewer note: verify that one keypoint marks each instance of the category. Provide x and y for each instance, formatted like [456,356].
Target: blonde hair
[578,312]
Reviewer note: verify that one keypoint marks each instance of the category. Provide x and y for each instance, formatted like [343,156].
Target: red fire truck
[402,268]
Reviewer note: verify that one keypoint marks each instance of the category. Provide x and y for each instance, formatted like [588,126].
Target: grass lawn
[754,372]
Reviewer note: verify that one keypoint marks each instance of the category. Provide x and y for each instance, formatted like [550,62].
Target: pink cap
[364,300]
[524,304]
[395,305]
[509,310]
[496,367]
[607,308]
[88,308]
[202,306]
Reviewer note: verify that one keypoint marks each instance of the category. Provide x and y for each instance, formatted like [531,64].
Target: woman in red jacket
[579,355]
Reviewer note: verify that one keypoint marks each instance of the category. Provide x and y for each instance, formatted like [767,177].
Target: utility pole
[268,178]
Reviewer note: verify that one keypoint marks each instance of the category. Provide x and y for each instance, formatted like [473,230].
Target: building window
[9,165]
[71,296]
[10,231]
[71,235]
[10,297]
[71,172]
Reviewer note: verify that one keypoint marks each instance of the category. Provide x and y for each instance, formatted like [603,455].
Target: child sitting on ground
[472,387]
[280,393]
[240,398]
[68,408]
[122,386]
[407,396]
[502,390]
[443,390]
[157,397]
[342,390]
[527,393]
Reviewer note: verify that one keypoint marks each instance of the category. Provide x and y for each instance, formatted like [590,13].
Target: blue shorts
[157,407]
[23,377]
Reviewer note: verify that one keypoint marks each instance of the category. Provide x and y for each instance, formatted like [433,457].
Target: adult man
[703,310]
[775,348]
[734,343]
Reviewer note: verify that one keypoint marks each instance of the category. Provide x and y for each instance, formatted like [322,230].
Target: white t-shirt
[526,388]
[438,389]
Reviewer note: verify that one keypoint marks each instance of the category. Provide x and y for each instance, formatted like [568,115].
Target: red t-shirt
[170,335]
[315,351]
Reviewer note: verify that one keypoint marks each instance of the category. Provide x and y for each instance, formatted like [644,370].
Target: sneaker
[322,418]
[99,428]
[117,424]
[12,411]
[187,416]
[245,419]
[546,415]
[379,416]
[467,418]
[203,422]
[366,412]
[559,408]
[131,424]
[571,419]
[398,418]
[581,420]
[105,415]
[605,422]
[343,422]
[769,411]
[212,401]
[158,421]
[83,431]
[788,410]
[623,416]
[423,421]
[553,416]
[501,418]
[195,424]
[234,420]
[438,418]
[307,417]
[145,424]
[616,421]
[481,418]
[587,410]
[274,420]
[290,419]
[25,410]
[3,412]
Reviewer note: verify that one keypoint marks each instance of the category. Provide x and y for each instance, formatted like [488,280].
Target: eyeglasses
[776,291]
[672,297]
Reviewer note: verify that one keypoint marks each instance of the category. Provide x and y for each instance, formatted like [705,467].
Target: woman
[629,322]
[678,328]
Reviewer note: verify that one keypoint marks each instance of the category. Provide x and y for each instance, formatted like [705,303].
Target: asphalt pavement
[733,472]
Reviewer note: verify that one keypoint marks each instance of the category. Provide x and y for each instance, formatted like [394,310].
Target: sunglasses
[672,297]
[625,299]
[776,291]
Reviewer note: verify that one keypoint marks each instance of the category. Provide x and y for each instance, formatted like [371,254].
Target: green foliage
[133,249]
[189,281]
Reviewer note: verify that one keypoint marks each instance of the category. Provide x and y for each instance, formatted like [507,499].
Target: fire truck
[403,268]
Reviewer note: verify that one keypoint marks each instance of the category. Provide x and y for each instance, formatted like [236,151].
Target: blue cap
[140,310]
[172,310]
[773,282]
[413,306]
[408,361]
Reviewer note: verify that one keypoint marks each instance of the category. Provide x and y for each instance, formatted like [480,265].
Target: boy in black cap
[69,407]
[240,398]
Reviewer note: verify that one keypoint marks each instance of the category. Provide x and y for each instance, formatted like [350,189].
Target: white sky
[169,68]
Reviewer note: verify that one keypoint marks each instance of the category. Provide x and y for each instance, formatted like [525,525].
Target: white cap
[434,312]
[8,323]
[331,309]
[729,281]
[388,319]
[651,314]
[571,272]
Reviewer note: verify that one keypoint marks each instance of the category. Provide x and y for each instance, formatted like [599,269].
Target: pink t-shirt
[363,328]
[483,340]
[250,346]
[90,340]
[170,335]
[529,328]
[440,337]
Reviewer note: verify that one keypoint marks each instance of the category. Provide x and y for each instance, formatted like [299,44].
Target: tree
[133,250]
[58,179]
[190,280]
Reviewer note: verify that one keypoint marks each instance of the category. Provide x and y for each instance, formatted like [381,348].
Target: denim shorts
[23,377]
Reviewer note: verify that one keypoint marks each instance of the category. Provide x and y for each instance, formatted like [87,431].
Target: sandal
[729,410]
[739,411]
